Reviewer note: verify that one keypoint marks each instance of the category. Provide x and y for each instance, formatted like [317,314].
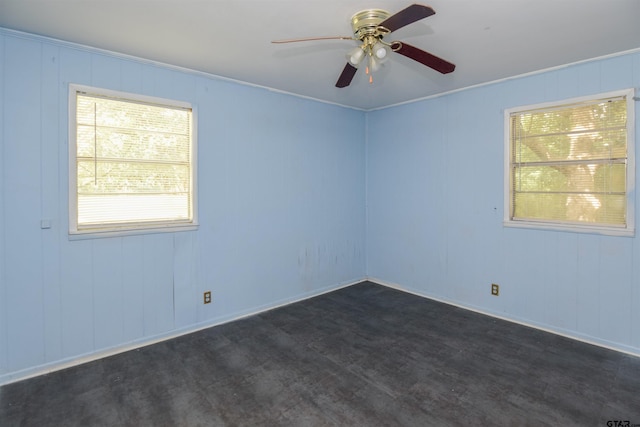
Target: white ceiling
[488,40]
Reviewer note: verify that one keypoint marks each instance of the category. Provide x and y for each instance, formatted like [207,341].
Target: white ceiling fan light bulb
[380,51]
[355,56]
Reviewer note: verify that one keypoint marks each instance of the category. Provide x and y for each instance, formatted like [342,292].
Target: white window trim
[629,230]
[129,229]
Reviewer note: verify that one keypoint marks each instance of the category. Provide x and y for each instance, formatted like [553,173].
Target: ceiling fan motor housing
[367,23]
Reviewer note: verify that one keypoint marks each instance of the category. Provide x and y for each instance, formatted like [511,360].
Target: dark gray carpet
[361,356]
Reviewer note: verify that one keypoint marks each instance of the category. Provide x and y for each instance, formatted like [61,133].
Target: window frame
[604,229]
[132,228]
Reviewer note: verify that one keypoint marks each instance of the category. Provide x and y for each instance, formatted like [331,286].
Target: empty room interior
[319,212]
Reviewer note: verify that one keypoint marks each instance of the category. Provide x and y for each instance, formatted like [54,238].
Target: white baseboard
[524,322]
[57,365]
[146,341]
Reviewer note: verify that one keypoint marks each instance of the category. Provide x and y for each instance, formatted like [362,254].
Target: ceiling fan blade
[411,14]
[347,75]
[423,57]
[312,39]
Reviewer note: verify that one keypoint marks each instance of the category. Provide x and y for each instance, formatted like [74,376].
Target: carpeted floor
[365,355]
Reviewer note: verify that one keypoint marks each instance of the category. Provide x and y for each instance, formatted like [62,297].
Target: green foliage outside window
[569,163]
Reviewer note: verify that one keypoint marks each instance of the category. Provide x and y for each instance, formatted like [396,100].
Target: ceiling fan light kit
[367,29]
[355,56]
[370,26]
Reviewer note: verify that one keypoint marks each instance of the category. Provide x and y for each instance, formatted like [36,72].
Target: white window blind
[569,164]
[133,163]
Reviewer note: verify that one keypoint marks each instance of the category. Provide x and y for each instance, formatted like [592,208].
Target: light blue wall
[435,209]
[295,197]
[281,206]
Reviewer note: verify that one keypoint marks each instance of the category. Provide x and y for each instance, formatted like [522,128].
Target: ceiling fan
[370,26]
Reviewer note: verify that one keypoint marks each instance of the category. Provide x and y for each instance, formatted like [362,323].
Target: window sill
[571,228]
[99,234]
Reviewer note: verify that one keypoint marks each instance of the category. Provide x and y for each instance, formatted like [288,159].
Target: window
[571,166]
[131,163]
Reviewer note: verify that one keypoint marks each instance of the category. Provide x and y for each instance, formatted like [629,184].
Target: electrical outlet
[207,297]
[495,289]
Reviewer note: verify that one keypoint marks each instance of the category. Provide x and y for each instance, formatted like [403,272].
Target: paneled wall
[281,208]
[435,209]
[296,197]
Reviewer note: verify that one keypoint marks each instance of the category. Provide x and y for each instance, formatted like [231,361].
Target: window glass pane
[126,208]
[572,178]
[132,144]
[582,145]
[128,177]
[571,208]
[568,163]
[133,162]
[584,132]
